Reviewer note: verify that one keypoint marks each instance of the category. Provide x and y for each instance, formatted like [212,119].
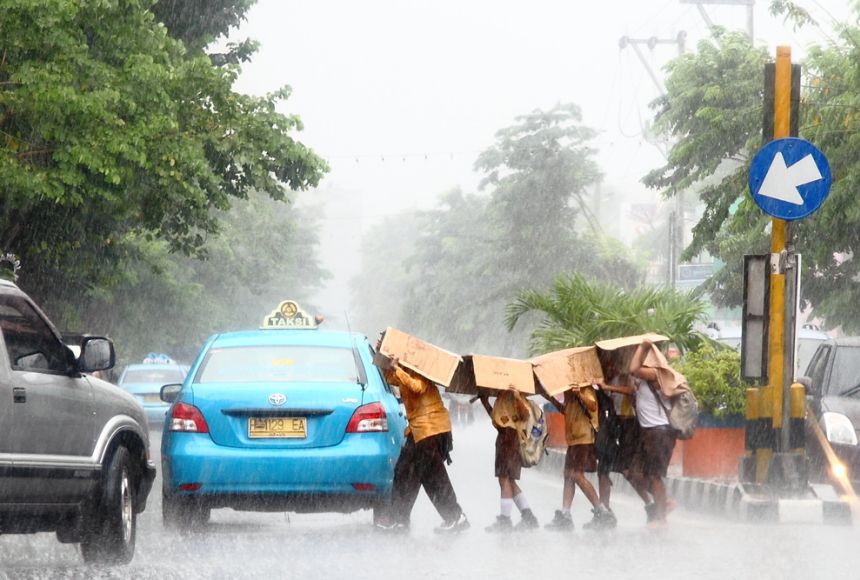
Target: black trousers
[423,464]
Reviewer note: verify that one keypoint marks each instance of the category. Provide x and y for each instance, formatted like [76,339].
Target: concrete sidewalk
[732,499]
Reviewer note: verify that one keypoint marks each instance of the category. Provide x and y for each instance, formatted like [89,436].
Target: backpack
[683,414]
[607,438]
[533,433]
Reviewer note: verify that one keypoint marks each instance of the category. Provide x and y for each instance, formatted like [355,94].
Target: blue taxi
[289,417]
[144,381]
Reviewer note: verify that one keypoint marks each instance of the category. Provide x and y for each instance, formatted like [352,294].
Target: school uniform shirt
[648,409]
[623,403]
[670,381]
[425,411]
[579,427]
[505,413]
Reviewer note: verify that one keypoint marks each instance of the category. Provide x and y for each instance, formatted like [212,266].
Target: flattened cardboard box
[426,359]
[616,343]
[491,372]
[625,346]
[565,369]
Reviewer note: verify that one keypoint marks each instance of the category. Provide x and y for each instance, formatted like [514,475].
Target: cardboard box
[566,369]
[491,372]
[625,346]
[430,361]
[616,343]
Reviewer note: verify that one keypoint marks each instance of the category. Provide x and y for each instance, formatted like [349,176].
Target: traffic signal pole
[786,465]
[778,236]
[789,179]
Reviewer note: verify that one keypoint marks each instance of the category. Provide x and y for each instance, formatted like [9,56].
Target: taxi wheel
[183,514]
[380,509]
[112,526]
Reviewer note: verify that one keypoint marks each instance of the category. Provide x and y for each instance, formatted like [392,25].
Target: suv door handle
[19,395]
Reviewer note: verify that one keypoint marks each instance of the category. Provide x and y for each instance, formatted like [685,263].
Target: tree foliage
[713,112]
[266,252]
[475,251]
[198,22]
[714,375]
[579,312]
[111,132]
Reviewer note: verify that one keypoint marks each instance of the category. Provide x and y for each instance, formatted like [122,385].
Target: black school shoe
[528,522]
[391,527]
[650,512]
[454,526]
[561,522]
[503,525]
[603,519]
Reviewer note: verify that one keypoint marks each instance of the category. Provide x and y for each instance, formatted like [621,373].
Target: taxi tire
[182,513]
[380,509]
[111,528]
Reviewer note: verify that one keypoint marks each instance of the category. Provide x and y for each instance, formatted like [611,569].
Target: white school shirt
[648,410]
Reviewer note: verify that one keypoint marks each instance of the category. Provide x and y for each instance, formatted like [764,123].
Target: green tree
[714,375]
[266,252]
[579,312]
[713,112]
[476,251]
[111,131]
[377,291]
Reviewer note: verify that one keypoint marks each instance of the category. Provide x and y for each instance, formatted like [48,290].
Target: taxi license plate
[277,427]
[152,398]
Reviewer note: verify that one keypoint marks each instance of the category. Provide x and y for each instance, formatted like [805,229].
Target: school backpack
[533,433]
[607,439]
[683,414]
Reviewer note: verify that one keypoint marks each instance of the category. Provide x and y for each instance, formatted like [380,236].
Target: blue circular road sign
[789,178]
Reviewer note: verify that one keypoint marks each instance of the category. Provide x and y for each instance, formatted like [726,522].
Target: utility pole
[676,217]
[700,4]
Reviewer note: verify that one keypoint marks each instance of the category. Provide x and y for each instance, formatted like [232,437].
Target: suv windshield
[846,370]
[250,364]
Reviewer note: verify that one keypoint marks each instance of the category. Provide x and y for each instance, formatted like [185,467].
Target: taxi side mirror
[170,393]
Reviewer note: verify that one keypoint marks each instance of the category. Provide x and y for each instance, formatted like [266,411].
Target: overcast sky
[401,96]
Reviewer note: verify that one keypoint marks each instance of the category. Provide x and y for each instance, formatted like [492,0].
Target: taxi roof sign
[289,314]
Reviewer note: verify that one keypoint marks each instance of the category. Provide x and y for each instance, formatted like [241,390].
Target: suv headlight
[839,429]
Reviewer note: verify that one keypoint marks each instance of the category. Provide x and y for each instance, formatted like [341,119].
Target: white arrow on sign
[781,182]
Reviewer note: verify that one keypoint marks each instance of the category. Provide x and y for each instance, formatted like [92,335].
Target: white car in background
[808,339]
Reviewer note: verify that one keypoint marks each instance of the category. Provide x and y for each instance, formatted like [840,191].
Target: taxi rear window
[252,364]
[161,376]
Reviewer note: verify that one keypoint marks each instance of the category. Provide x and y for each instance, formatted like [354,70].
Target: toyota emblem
[277,399]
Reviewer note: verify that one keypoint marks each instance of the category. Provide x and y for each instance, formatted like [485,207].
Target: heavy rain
[276,268]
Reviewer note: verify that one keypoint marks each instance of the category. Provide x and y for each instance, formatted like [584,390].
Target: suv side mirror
[170,392]
[97,354]
[811,389]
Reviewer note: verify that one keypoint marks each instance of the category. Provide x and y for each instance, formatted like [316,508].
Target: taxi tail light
[367,418]
[187,418]
[363,487]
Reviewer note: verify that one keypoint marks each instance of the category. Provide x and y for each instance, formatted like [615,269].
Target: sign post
[789,179]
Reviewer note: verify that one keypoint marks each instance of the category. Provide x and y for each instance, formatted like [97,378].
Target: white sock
[521,502]
[507,507]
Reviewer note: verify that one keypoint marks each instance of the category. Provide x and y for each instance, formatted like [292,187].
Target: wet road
[310,546]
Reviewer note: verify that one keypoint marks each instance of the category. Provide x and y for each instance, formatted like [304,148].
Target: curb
[731,500]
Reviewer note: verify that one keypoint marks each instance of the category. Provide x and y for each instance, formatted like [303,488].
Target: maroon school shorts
[654,452]
[580,458]
[508,461]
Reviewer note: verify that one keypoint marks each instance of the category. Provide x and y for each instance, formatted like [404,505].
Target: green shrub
[714,375]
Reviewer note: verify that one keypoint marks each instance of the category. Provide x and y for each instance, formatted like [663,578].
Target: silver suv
[74,449]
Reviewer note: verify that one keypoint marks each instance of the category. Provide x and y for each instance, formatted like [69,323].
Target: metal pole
[781,129]
[791,273]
